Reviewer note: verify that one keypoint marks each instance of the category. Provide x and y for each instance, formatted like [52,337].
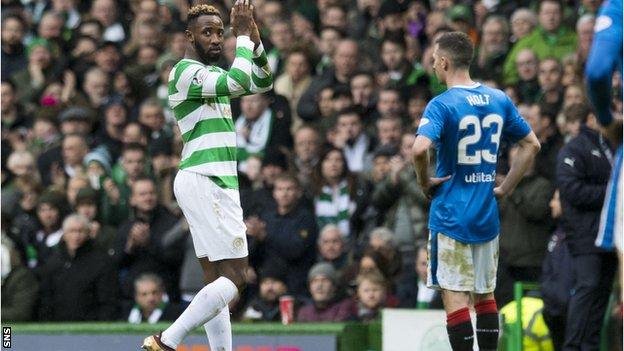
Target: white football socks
[208,303]
[219,331]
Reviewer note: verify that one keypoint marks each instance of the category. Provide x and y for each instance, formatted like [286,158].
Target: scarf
[136,317]
[334,206]
[258,137]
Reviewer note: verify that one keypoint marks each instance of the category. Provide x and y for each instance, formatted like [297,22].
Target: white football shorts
[214,215]
[456,266]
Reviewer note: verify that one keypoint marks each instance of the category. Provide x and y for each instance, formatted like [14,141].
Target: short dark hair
[458,47]
[288,177]
[577,112]
[558,2]
[134,147]
[347,111]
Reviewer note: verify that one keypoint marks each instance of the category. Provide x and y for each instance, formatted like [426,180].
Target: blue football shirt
[466,124]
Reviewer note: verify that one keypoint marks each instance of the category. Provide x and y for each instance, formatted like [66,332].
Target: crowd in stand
[334,215]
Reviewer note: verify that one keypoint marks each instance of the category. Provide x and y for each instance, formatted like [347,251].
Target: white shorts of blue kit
[455,266]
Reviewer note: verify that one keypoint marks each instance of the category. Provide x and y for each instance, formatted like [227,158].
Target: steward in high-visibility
[535,333]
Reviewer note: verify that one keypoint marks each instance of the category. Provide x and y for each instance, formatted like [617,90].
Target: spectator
[79,283]
[107,57]
[550,39]
[371,296]
[549,77]
[259,128]
[527,66]
[19,286]
[326,304]
[492,50]
[389,131]
[351,138]
[333,248]
[104,236]
[362,86]
[306,154]
[116,198]
[105,11]
[344,60]
[426,298]
[110,137]
[334,191]
[294,81]
[583,168]
[265,306]
[545,128]
[74,185]
[24,215]
[286,235]
[523,21]
[40,243]
[151,304]
[40,71]
[282,38]
[255,201]
[402,201]
[13,51]
[525,228]
[328,40]
[139,245]
[585,33]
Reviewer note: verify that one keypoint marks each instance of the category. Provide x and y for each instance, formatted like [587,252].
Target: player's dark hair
[201,10]
[458,48]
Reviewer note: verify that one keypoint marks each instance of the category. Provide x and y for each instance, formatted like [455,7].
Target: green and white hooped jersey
[199,96]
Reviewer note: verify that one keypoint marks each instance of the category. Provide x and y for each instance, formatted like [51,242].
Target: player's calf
[459,328]
[487,324]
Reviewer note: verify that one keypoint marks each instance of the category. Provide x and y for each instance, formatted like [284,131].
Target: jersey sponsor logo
[480,177]
[603,22]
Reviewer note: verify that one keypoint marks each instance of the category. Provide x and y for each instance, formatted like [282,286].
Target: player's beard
[205,55]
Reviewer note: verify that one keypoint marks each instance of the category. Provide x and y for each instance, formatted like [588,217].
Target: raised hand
[241,18]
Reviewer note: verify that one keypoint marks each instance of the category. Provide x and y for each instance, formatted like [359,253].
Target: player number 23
[490,121]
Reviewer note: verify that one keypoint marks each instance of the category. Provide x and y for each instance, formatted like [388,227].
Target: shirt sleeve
[432,123]
[195,82]
[515,127]
[261,75]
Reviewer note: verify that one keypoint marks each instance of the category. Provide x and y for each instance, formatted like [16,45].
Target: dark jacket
[583,171]
[79,288]
[291,240]
[19,295]
[546,159]
[170,312]
[261,310]
[154,257]
[526,223]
